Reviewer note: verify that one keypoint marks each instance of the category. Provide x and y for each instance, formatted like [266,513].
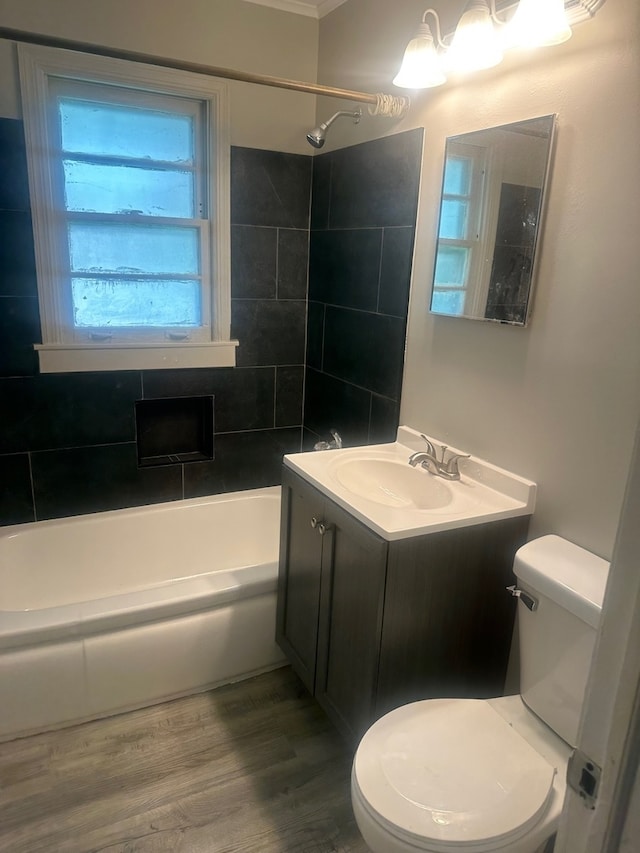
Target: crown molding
[311,8]
[577,10]
[582,10]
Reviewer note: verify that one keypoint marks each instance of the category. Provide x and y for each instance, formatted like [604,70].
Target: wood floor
[254,766]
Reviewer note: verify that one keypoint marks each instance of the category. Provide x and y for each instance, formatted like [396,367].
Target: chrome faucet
[334,444]
[447,468]
[336,439]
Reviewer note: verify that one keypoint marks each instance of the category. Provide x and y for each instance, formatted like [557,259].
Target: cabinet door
[299,576]
[448,619]
[353,577]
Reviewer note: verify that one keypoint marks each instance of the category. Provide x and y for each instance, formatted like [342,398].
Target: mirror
[490,210]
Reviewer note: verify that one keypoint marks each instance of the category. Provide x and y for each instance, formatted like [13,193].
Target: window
[459,235]
[129,179]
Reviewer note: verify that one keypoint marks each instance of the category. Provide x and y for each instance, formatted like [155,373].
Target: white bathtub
[113,611]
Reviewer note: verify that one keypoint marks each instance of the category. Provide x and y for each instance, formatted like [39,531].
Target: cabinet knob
[322,528]
[314,522]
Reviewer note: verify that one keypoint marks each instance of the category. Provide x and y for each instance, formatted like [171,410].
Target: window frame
[65,89]
[473,240]
[63,349]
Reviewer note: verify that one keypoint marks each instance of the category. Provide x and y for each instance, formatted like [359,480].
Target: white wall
[558,401]
[631,833]
[224,33]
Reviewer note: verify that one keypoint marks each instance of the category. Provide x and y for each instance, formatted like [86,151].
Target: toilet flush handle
[528,600]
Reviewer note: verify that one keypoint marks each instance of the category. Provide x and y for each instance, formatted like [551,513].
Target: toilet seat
[451,773]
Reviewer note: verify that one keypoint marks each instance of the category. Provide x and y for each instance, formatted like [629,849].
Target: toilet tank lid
[567,574]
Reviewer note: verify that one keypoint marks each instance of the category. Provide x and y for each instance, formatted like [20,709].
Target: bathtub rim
[140,509]
[27,628]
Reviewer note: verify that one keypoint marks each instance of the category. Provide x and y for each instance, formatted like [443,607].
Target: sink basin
[376,485]
[392,484]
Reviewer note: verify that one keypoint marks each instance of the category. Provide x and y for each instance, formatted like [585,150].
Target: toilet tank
[558,636]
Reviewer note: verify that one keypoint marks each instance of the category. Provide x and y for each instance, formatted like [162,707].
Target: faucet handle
[430,448]
[337,439]
[451,466]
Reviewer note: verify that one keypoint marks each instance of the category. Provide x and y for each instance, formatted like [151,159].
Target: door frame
[610,727]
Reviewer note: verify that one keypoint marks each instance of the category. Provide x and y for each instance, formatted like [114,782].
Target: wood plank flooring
[253,766]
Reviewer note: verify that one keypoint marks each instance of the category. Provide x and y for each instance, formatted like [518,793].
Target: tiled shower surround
[362,231]
[68,441]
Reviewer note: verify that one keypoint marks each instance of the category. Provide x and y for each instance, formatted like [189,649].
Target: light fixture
[537,23]
[421,67]
[481,37]
[476,44]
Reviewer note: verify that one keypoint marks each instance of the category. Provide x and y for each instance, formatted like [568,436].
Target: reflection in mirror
[492,197]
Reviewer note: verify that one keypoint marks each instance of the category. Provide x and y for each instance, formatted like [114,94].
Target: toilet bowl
[471,775]
[488,775]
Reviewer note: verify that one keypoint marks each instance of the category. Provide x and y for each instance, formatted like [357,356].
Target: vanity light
[421,67]
[481,36]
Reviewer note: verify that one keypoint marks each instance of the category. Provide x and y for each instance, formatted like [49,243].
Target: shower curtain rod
[380,104]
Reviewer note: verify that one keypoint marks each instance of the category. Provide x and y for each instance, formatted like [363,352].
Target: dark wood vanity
[370,624]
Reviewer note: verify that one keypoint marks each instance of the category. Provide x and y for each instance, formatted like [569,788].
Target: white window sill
[77,358]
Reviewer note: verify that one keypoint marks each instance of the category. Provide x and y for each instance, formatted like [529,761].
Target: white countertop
[484,492]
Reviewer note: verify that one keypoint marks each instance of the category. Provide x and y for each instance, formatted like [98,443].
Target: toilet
[447,775]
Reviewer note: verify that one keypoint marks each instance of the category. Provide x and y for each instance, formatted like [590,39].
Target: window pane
[457,176]
[448,301]
[451,266]
[453,219]
[127,302]
[103,248]
[126,189]
[100,128]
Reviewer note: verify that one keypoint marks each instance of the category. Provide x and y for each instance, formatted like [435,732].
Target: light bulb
[421,67]
[475,42]
[537,23]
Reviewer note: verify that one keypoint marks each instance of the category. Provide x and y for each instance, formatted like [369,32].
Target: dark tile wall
[512,268]
[364,205]
[68,441]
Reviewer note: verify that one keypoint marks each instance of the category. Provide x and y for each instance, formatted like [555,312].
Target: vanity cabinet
[369,625]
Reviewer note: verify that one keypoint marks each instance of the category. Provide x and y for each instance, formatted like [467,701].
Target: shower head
[317,136]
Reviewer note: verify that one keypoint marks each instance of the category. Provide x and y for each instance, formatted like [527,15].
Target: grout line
[331,165]
[324,330]
[344,228]
[248,431]
[135,426]
[275,393]
[267,299]
[277,282]
[380,271]
[310,187]
[359,310]
[83,446]
[354,385]
[33,491]
[306,322]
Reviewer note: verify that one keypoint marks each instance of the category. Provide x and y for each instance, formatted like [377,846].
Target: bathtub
[112,611]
